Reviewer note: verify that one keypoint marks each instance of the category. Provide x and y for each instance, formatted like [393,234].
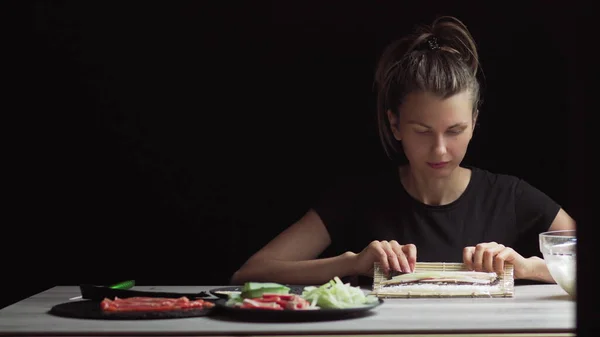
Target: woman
[429,208]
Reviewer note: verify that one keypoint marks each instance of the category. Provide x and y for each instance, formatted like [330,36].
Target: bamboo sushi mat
[506,282]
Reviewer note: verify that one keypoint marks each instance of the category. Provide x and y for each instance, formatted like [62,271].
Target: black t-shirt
[494,207]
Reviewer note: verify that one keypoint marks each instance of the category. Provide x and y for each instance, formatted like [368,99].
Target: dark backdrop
[166,142]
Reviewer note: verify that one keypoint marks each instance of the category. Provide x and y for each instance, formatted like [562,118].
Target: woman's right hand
[391,256]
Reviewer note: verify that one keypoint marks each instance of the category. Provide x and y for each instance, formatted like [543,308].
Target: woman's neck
[439,191]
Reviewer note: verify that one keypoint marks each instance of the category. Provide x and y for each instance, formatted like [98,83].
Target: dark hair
[441,59]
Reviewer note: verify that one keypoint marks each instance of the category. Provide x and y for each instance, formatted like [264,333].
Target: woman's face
[435,132]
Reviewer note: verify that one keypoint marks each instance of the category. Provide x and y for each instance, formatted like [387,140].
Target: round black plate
[91,310]
[223,291]
[291,315]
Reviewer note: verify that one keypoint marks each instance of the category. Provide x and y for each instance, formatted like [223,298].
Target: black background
[167,141]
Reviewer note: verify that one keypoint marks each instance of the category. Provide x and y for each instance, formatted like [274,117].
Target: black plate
[98,293]
[91,310]
[291,315]
[294,289]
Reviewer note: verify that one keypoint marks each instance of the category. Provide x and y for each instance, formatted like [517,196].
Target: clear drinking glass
[559,249]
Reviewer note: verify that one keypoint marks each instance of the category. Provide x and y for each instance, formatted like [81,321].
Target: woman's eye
[455,132]
[451,132]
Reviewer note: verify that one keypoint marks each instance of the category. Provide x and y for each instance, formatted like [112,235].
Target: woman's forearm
[539,271]
[295,272]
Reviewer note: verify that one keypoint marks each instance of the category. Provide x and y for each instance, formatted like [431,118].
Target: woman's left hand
[491,257]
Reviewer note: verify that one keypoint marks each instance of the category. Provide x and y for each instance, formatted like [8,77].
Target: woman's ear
[475,115]
[394,124]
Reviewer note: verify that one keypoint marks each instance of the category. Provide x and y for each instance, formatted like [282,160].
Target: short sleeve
[535,211]
[336,207]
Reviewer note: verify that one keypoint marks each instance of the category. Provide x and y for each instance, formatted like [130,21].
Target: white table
[540,310]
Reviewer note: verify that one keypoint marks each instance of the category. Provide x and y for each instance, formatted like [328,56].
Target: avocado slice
[257,289]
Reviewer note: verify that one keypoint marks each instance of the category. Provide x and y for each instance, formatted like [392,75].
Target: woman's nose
[439,146]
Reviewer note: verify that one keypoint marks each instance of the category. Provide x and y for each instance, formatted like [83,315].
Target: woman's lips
[438,165]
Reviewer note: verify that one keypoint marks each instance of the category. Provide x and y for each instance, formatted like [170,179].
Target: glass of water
[559,249]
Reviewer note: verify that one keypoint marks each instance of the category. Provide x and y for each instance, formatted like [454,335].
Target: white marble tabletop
[535,309]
